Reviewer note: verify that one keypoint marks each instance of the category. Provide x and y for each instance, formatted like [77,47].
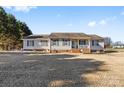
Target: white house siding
[100,47]
[25,44]
[36,44]
[61,47]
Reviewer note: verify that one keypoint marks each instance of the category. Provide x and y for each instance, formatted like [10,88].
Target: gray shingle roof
[65,35]
[36,36]
[69,35]
[96,37]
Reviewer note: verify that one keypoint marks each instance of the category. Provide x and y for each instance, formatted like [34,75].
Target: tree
[23,29]
[3,27]
[107,42]
[12,31]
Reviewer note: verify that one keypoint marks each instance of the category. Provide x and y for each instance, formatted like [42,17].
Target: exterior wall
[100,47]
[60,47]
[25,44]
[36,46]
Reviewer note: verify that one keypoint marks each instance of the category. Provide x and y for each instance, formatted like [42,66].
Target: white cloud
[103,22]
[111,18]
[106,20]
[24,8]
[92,24]
[21,8]
[122,13]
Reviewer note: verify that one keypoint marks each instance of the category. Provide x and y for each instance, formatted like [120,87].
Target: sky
[106,21]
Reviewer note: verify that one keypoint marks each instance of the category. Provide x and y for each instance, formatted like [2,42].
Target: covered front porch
[81,45]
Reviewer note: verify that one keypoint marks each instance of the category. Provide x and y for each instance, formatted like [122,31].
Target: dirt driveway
[75,70]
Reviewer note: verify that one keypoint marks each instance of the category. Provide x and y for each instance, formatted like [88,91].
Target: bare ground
[62,70]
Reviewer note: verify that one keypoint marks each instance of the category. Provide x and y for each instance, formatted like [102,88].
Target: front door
[74,44]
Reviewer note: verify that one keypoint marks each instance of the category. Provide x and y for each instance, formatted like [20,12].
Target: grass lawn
[109,50]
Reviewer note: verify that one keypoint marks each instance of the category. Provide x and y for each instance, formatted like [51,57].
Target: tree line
[12,31]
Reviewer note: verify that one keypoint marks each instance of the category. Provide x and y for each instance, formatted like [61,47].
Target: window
[55,42]
[95,43]
[30,42]
[66,42]
[83,42]
[43,42]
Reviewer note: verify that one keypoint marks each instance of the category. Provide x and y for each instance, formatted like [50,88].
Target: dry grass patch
[60,83]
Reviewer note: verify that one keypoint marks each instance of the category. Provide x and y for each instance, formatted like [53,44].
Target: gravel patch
[61,70]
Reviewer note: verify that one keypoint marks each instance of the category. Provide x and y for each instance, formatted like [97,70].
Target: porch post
[78,43]
[70,43]
[89,45]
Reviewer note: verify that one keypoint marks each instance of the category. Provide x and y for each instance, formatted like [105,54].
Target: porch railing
[83,46]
